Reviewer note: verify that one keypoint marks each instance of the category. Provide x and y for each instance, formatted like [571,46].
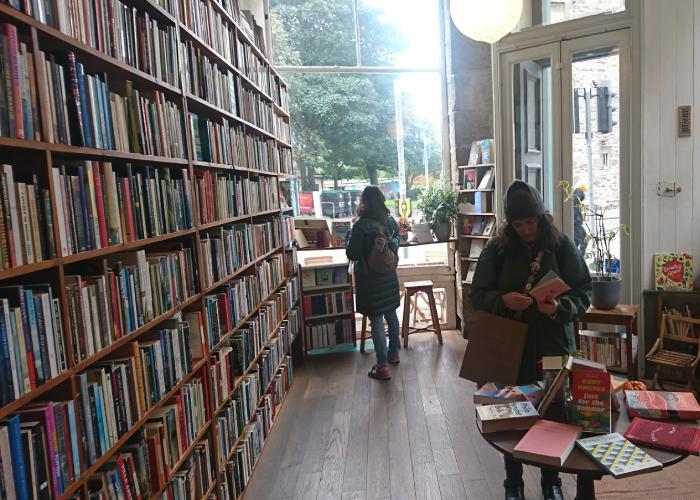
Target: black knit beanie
[522,201]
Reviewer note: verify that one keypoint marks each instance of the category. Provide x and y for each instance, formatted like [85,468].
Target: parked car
[335,203]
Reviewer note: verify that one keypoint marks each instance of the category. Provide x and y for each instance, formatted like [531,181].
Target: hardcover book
[470,178]
[664,435]
[506,417]
[547,442]
[662,405]
[493,393]
[619,457]
[591,401]
[673,271]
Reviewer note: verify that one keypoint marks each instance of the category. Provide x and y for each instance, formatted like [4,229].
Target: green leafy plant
[596,231]
[438,204]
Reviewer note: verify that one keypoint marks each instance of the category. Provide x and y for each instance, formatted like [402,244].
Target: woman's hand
[516,301]
[548,306]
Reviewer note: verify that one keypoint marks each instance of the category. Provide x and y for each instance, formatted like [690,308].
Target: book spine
[19,467]
[99,194]
[14,215]
[10,32]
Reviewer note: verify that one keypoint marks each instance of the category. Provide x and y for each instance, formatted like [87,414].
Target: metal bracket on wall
[668,189]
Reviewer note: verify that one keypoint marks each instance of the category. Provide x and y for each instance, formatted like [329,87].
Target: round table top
[578,462]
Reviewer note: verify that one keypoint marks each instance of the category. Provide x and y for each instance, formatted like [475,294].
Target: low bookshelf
[147,306]
[327,297]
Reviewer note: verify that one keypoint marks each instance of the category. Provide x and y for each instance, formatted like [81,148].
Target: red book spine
[129,215]
[10,31]
[154,463]
[116,309]
[184,440]
[101,219]
[121,469]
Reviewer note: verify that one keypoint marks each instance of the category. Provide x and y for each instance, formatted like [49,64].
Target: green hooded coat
[499,272]
[375,293]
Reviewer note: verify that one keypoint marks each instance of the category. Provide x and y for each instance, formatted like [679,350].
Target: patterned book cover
[673,271]
[591,401]
[662,405]
[619,457]
[492,393]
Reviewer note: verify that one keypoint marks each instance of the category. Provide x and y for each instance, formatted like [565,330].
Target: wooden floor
[344,436]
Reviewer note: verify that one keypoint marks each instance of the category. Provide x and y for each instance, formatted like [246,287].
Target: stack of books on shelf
[220,196]
[607,348]
[329,303]
[329,334]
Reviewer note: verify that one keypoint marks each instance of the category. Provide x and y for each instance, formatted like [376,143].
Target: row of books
[26,221]
[324,276]
[225,309]
[225,251]
[233,360]
[478,225]
[287,230]
[266,236]
[236,473]
[32,345]
[270,274]
[292,289]
[136,288]
[263,194]
[221,196]
[328,303]
[100,208]
[606,348]
[211,140]
[329,334]
[205,79]
[255,68]
[122,32]
[19,108]
[274,352]
[193,479]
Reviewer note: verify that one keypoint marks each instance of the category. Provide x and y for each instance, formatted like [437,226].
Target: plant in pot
[606,280]
[404,228]
[438,204]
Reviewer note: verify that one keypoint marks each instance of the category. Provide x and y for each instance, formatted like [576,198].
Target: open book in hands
[550,286]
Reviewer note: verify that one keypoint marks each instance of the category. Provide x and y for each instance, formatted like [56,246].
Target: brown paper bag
[495,349]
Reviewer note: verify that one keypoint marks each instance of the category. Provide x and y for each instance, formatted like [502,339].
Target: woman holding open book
[527,247]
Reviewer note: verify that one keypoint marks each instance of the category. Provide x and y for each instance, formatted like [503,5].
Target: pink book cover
[549,439]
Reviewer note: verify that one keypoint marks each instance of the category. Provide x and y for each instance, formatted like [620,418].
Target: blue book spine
[36,345]
[7,388]
[19,469]
[101,431]
[107,113]
[87,116]
[73,439]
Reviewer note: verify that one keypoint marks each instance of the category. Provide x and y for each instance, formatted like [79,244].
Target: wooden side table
[622,315]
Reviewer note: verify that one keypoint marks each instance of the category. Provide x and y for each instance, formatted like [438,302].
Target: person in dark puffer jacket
[377,294]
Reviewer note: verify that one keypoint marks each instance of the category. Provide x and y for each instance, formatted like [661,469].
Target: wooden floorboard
[343,436]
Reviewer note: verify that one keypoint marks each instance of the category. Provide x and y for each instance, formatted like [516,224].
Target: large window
[544,12]
[365,80]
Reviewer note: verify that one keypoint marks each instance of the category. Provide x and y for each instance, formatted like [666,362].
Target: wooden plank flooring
[343,436]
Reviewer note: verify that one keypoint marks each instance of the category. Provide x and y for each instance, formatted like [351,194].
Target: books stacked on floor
[225,250]
[220,196]
[226,308]
[662,405]
[618,456]
[607,348]
[205,79]
[492,393]
[100,207]
[26,220]
[136,288]
[19,108]
[672,436]
[211,140]
[39,449]
[329,334]
[32,345]
[328,303]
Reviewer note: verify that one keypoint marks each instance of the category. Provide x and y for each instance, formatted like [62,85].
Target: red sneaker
[379,373]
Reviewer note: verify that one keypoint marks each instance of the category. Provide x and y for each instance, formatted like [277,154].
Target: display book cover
[664,435]
[673,271]
[591,405]
[493,393]
[549,286]
[547,442]
[519,415]
[618,456]
[662,405]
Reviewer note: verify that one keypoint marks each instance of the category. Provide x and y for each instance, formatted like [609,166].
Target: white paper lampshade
[486,20]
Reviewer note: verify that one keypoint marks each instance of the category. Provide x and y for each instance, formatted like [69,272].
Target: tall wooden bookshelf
[204,444]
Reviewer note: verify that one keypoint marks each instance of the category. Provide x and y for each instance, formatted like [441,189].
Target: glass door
[531,118]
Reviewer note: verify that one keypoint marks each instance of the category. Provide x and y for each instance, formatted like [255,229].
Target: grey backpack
[382,257]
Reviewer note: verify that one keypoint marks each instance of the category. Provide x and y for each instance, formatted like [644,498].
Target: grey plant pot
[606,292]
[443,231]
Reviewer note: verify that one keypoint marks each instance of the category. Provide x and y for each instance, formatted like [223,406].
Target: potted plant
[404,228]
[606,283]
[438,204]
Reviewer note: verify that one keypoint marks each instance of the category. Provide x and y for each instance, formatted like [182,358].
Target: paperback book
[547,442]
[591,407]
[493,393]
[665,435]
[616,455]
[662,405]
[549,286]
[506,417]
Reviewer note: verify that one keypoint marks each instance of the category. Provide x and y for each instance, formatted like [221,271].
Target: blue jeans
[377,324]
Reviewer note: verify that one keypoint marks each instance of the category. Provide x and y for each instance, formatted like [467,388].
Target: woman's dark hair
[547,239]
[372,203]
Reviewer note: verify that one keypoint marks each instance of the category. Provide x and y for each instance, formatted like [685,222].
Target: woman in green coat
[528,241]
[377,294]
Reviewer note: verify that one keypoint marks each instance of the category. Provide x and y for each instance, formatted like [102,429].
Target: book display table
[622,315]
[586,470]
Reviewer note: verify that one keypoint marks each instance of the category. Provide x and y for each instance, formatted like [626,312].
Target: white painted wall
[670,60]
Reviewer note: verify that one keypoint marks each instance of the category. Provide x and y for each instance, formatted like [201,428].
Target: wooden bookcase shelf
[45,156]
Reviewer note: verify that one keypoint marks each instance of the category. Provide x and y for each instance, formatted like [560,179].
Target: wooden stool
[412,288]
[363,334]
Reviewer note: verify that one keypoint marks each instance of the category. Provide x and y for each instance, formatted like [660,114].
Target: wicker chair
[675,332]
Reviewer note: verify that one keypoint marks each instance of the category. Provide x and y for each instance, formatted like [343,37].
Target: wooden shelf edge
[240,271]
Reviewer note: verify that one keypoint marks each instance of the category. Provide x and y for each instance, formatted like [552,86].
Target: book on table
[618,456]
[662,405]
[548,443]
[493,393]
[549,286]
[684,439]
[516,416]
[591,405]
[555,387]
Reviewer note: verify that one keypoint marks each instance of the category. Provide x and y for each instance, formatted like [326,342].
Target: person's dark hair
[548,238]
[372,203]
